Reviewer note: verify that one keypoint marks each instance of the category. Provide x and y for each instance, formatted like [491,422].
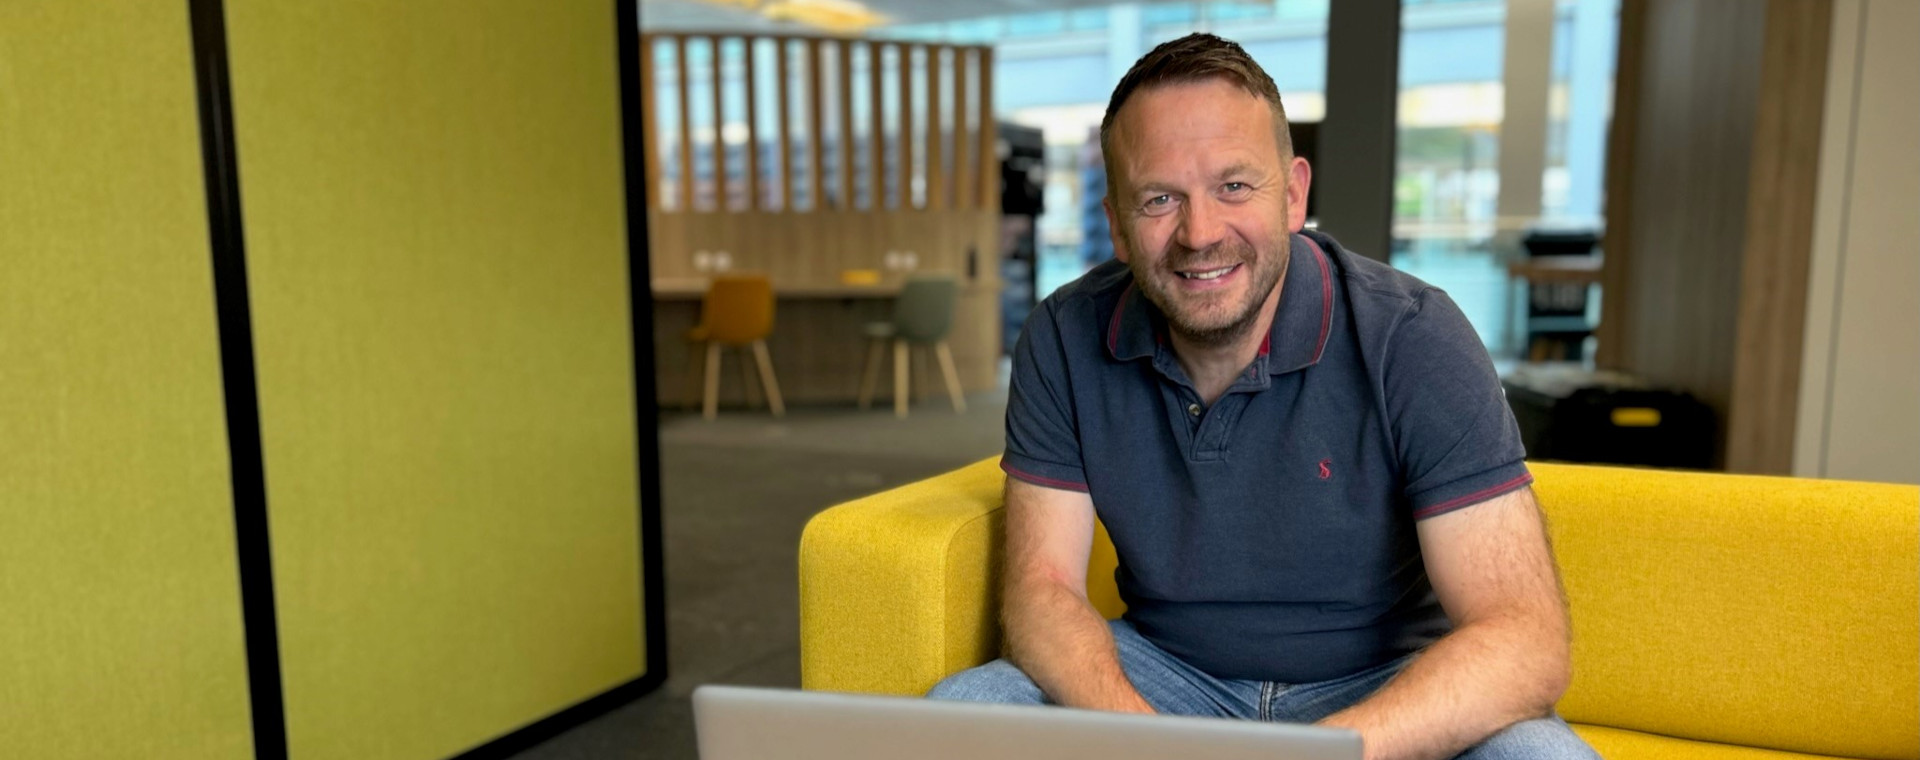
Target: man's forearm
[1468,686]
[1062,643]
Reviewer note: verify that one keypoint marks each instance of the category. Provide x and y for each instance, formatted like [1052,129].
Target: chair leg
[922,371]
[953,377]
[900,378]
[765,361]
[710,409]
[747,384]
[692,399]
[871,376]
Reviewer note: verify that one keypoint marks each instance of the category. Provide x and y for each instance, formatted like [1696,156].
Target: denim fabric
[1176,688]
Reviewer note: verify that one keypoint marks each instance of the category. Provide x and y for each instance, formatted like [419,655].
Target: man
[1303,458]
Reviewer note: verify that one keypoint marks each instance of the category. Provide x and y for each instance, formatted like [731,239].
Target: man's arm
[1507,659]
[1053,633]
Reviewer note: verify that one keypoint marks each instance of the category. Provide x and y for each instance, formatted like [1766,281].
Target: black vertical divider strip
[235,325]
[640,305]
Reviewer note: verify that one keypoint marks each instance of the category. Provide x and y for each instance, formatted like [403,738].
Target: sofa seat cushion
[1615,742]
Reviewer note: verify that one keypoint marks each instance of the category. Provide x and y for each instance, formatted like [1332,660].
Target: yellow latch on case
[1636,416]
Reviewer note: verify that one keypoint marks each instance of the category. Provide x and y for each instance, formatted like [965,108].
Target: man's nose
[1200,224]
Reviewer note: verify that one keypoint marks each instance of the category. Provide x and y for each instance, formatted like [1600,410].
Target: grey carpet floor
[735,495]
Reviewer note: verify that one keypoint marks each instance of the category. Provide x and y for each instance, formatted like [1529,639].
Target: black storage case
[1606,418]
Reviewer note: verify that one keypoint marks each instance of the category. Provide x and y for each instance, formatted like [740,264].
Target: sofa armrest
[899,589]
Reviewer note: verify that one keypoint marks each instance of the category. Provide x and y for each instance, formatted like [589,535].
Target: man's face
[1203,204]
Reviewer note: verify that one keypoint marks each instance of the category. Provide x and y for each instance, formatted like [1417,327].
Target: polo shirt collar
[1297,339]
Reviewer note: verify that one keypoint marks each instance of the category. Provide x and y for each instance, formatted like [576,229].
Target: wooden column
[1710,207]
[1622,131]
[1771,316]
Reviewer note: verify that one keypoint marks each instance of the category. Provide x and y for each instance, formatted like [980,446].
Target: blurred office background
[453,379]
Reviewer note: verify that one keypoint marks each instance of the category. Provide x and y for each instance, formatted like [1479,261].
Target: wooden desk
[693,288]
[1583,270]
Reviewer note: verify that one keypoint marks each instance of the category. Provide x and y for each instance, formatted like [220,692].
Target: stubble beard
[1187,318]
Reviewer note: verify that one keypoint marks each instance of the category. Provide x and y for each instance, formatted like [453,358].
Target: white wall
[1859,415]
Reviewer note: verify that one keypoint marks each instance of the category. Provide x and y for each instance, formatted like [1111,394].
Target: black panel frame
[233,316]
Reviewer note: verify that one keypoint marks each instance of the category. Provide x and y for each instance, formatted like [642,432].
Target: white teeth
[1215,274]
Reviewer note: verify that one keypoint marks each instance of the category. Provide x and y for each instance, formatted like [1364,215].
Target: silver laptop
[737,723]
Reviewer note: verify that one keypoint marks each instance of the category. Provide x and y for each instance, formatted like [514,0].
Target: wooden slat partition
[989,135]
[686,125]
[755,198]
[906,126]
[816,128]
[806,248]
[877,131]
[785,84]
[936,175]
[649,104]
[846,124]
[962,138]
[719,148]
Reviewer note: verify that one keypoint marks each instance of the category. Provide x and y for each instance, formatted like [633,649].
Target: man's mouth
[1208,274]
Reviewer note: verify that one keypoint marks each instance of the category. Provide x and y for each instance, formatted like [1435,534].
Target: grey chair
[922,317]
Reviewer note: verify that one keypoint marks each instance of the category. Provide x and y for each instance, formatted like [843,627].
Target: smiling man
[1303,457]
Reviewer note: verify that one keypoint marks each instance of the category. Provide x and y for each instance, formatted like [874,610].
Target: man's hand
[1507,659]
[1053,633]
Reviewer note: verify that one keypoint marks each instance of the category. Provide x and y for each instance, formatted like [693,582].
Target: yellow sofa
[1715,616]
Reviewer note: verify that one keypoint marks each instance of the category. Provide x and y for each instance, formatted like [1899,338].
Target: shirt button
[1193,409]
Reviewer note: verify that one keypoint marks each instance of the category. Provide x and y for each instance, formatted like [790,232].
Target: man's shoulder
[1374,288]
[1080,304]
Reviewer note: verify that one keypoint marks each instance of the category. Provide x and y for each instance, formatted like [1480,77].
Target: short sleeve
[1454,436]
[1043,441]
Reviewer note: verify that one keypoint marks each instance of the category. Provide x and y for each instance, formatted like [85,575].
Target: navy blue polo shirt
[1269,536]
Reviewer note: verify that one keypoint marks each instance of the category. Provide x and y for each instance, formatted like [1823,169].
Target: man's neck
[1213,368]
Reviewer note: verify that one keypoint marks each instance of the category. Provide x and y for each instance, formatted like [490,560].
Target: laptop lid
[739,723]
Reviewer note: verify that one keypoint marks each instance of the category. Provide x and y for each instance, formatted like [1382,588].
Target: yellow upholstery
[737,310]
[1714,615]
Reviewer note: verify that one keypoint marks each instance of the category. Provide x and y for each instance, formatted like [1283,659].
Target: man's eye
[1235,187]
[1160,200]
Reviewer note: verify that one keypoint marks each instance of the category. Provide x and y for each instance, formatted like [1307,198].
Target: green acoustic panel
[119,588]
[437,253]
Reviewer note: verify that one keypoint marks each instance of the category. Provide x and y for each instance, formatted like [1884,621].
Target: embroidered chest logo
[1326,469]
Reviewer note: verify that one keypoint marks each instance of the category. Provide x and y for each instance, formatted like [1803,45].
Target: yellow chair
[1715,616]
[737,312]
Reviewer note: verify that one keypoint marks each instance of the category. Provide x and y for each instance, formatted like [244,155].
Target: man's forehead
[1213,113]
[1204,100]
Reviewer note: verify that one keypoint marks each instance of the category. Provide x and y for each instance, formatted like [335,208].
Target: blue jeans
[1176,688]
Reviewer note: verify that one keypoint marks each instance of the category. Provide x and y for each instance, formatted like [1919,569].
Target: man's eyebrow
[1237,169]
[1155,188]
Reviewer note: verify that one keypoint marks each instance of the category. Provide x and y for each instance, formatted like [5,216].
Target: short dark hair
[1194,58]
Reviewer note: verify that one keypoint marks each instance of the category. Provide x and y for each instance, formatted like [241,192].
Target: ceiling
[742,15]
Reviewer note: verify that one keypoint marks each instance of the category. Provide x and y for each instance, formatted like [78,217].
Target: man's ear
[1113,230]
[1299,180]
